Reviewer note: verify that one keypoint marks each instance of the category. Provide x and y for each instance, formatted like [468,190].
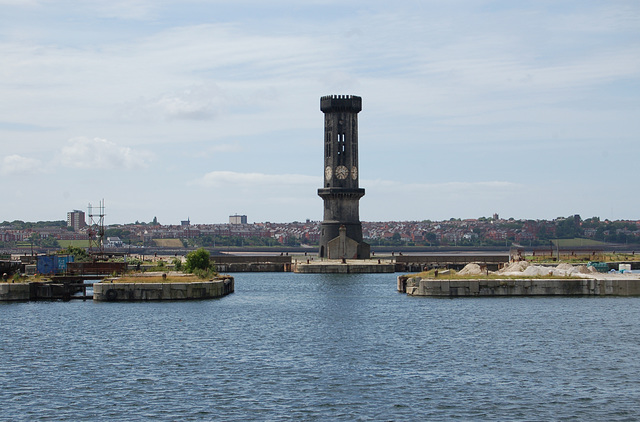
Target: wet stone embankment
[115,292]
[14,291]
[415,286]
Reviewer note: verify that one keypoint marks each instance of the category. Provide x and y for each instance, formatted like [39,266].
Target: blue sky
[203,109]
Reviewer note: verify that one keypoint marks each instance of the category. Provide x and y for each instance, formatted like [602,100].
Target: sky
[199,109]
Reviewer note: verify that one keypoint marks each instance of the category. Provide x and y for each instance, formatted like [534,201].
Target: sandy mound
[535,270]
[515,267]
[526,269]
[471,269]
[583,269]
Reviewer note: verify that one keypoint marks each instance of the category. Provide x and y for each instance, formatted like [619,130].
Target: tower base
[343,247]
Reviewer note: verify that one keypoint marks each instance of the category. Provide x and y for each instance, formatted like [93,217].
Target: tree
[198,260]
[79,254]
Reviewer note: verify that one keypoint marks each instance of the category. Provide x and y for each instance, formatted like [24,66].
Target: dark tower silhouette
[341,230]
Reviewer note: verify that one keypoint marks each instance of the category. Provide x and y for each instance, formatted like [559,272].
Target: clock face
[354,172]
[342,172]
[328,173]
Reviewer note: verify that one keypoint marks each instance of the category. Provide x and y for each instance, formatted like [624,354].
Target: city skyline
[201,109]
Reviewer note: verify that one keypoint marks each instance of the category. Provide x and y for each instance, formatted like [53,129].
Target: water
[322,347]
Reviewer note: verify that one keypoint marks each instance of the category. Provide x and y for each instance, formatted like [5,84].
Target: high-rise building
[76,219]
[237,219]
[341,230]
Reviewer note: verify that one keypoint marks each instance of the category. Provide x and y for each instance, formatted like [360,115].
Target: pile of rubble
[523,268]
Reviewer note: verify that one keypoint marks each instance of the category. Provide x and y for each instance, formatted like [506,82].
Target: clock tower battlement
[341,140]
[341,192]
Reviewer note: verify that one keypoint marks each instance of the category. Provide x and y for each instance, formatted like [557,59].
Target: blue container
[61,263]
[47,264]
[53,264]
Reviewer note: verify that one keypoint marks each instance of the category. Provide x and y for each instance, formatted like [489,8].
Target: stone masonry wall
[112,292]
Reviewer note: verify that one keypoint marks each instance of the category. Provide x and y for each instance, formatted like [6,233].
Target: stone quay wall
[518,287]
[338,268]
[116,292]
[14,291]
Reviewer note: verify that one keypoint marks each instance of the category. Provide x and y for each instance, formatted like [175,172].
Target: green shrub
[197,260]
[207,274]
[177,264]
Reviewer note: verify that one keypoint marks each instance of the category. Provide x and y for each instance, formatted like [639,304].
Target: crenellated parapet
[340,103]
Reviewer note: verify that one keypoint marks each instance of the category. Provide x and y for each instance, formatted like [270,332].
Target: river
[322,347]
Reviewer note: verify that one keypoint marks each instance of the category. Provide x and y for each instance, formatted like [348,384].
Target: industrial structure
[341,230]
[96,230]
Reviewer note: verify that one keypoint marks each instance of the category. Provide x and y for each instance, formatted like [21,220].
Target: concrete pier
[443,287]
[349,266]
[114,291]
[117,292]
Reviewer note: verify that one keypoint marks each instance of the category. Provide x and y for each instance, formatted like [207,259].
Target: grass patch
[168,243]
[64,244]
[576,242]
[582,259]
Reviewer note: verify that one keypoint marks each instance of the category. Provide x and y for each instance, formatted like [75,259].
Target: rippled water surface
[322,347]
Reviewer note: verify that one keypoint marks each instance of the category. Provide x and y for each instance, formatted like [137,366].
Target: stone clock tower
[341,230]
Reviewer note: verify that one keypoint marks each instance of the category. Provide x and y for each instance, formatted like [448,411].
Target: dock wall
[14,291]
[252,263]
[257,267]
[343,268]
[37,290]
[115,292]
[518,287]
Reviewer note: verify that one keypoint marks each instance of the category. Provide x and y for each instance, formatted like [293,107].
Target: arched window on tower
[341,148]
[327,145]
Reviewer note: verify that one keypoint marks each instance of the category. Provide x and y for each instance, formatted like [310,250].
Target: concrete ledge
[116,292]
[518,287]
[337,267]
[253,267]
[14,291]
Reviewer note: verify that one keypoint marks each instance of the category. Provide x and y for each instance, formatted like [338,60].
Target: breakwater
[344,266]
[252,263]
[116,292]
[415,286]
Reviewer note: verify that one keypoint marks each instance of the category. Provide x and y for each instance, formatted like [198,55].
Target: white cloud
[225,148]
[96,153]
[22,3]
[193,103]
[17,164]
[124,9]
[231,179]
[439,187]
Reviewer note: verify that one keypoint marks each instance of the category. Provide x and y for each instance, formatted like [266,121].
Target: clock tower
[341,230]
